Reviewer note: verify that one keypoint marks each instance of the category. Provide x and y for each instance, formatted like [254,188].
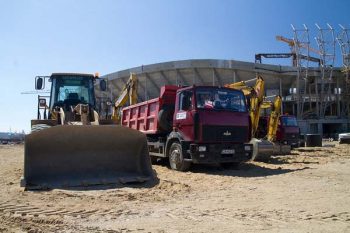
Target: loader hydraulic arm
[129,93]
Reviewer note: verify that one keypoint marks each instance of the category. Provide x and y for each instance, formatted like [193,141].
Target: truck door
[183,117]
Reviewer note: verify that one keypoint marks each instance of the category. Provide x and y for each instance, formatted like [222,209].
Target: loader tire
[176,158]
[164,119]
[39,127]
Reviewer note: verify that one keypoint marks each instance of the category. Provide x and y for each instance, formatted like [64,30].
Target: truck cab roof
[73,74]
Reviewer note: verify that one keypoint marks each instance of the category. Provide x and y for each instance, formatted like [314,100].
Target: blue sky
[41,37]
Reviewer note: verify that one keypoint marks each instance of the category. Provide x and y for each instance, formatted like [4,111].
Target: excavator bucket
[72,155]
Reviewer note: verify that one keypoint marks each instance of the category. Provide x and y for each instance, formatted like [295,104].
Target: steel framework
[344,43]
[301,47]
[325,40]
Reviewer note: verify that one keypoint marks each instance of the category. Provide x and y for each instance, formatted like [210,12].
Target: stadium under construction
[312,88]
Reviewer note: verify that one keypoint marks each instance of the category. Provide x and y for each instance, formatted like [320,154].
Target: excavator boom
[274,117]
[262,148]
[129,93]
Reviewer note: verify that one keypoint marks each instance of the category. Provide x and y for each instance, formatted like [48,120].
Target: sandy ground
[308,191]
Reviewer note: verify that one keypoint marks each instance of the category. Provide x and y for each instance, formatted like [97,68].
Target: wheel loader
[69,146]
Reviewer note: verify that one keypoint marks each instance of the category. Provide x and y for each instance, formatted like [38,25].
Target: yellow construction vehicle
[282,130]
[70,147]
[292,44]
[274,116]
[265,146]
[128,94]
[255,98]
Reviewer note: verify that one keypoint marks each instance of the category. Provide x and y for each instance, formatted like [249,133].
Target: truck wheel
[176,158]
[164,119]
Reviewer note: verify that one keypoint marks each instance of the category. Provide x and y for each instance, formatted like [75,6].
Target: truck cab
[288,131]
[212,124]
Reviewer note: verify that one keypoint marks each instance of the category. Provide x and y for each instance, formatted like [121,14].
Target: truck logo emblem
[227,133]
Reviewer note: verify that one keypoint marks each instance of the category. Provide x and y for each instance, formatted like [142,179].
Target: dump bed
[142,116]
[145,116]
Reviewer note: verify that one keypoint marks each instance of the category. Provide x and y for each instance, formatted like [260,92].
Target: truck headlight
[202,148]
[247,148]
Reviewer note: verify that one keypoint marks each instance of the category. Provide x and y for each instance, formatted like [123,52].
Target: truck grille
[225,133]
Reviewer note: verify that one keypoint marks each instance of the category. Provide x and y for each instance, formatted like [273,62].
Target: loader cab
[68,90]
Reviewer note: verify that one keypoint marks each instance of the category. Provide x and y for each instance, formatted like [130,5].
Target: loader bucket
[72,155]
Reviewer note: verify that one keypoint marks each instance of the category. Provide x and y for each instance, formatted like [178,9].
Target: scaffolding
[301,47]
[325,40]
[344,43]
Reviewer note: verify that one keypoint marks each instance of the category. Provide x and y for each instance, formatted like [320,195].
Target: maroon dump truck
[196,124]
[287,133]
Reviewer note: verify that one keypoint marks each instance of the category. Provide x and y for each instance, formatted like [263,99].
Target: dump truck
[70,146]
[287,133]
[195,124]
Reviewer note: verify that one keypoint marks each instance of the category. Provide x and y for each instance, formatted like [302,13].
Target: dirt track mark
[279,216]
[17,210]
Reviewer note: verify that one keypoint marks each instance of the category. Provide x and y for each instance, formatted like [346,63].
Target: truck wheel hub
[175,156]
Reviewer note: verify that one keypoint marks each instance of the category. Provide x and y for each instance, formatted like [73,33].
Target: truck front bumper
[294,143]
[220,153]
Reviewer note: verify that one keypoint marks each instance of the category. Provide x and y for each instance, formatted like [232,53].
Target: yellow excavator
[267,145]
[70,146]
[128,94]
[274,116]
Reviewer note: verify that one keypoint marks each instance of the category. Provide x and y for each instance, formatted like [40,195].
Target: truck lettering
[180,115]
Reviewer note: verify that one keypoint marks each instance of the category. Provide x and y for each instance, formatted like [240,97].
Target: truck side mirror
[103,85]
[39,83]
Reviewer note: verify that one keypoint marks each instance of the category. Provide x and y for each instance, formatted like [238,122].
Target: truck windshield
[72,90]
[289,121]
[211,98]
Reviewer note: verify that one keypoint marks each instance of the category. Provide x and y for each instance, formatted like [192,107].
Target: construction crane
[291,44]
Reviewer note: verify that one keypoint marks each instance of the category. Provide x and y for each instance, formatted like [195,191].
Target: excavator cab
[69,147]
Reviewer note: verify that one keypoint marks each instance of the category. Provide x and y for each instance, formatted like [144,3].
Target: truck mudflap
[220,153]
[69,156]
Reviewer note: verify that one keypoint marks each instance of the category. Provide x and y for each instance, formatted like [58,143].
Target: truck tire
[176,158]
[38,127]
[164,119]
